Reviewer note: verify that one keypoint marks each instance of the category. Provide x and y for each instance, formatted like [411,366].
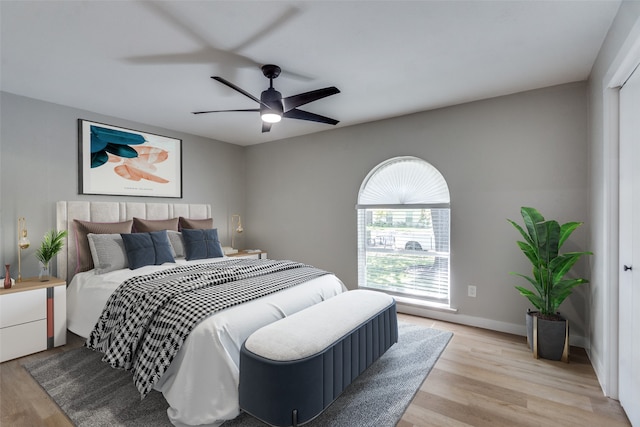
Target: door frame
[619,71]
[629,247]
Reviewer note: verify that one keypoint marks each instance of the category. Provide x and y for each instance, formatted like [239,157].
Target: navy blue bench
[293,369]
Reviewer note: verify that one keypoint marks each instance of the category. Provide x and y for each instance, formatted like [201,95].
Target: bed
[201,382]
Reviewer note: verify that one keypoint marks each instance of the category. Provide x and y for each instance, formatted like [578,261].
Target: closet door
[629,337]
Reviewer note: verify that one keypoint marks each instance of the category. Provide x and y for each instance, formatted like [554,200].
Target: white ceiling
[151,62]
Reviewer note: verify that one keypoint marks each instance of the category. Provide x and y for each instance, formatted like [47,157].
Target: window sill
[414,302]
[417,302]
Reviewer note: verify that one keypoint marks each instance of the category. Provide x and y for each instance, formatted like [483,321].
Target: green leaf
[549,236]
[533,282]
[563,289]
[529,251]
[52,243]
[524,234]
[566,230]
[561,265]
[531,217]
[535,300]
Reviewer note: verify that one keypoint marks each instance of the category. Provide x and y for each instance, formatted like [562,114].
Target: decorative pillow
[195,224]
[145,225]
[201,244]
[83,228]
[151,248]
[175,238]
[107,252]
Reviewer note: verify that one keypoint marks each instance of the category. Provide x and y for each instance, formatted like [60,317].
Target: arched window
[403,230]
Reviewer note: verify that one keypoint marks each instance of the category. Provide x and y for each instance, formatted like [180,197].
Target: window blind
[403,230]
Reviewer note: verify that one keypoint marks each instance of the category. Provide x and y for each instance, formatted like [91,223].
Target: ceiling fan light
[271,117]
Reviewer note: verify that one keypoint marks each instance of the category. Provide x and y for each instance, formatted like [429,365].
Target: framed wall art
[124,162]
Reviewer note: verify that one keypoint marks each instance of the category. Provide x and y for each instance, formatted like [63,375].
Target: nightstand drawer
[27,338]
[23,307]
[33,317]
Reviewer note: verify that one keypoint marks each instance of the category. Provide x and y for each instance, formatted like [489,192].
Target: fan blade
[225,111]
[294,101]
[270,27]
[312,117]
[242,91]
[266,127]
[205,55]
[229,60]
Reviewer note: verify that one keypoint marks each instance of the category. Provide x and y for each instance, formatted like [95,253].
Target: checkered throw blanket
[147,319]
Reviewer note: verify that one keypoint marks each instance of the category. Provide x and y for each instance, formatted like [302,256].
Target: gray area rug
[93,394]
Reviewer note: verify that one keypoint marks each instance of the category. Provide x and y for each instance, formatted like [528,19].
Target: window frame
[442,198]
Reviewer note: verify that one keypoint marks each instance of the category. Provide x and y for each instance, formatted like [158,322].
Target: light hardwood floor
[487,378]
[483,378]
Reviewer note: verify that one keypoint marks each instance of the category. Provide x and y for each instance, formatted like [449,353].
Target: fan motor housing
[273,99]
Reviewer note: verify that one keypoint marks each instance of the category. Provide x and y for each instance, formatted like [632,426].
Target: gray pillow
[107,252]
[177,243]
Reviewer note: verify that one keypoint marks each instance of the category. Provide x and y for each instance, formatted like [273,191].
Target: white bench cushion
[310,331]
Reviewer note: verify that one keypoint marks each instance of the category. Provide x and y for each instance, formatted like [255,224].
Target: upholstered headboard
[66,212]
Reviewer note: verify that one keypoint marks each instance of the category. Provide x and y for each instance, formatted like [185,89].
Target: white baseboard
[479,322]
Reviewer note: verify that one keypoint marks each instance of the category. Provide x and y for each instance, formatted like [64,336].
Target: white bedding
[201,385]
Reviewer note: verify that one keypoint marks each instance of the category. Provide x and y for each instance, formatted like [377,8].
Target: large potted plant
[547,330]
[52,243]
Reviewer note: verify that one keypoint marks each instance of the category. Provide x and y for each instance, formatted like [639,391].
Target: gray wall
[496,155]
[622,36]
[300,194]
[38,167]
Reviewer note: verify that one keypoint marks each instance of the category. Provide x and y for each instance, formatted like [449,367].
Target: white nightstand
[250,254]
[33,317]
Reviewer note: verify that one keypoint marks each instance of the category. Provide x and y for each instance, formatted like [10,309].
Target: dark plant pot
[548,339]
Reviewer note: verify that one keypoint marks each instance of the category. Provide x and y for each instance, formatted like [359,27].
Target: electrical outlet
[471,291]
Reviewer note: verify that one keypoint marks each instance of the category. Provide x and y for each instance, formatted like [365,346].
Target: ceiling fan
[273,107]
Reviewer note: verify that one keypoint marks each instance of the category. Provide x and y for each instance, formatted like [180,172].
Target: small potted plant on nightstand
[52,243]
[547,330]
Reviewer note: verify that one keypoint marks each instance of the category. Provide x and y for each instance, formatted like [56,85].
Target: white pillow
[108,252]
